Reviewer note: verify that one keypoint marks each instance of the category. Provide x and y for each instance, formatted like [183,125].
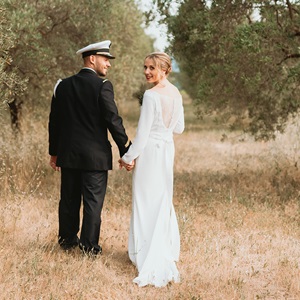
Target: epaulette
[55,87]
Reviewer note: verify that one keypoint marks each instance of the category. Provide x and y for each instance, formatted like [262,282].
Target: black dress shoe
[67,244]
[90,251]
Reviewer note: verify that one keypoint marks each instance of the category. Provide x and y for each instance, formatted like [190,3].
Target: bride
[154,241]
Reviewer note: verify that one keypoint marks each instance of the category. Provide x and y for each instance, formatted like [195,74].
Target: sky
[155,30]
[159,33]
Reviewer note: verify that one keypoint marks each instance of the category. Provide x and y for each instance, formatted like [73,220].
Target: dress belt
[168,139]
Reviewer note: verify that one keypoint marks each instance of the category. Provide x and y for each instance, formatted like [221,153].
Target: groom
[82,111]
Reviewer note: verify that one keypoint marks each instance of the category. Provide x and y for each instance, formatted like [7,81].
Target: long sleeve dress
[154,241]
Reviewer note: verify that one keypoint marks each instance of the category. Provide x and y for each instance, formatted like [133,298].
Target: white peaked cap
[100,48]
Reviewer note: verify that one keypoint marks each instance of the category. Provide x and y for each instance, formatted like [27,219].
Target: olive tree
[48,34]
[11,84]
[241,58]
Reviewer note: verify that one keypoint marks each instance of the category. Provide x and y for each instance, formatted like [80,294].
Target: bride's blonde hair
[161,60]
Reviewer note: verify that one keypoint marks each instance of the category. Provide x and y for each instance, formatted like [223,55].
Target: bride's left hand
[128,167]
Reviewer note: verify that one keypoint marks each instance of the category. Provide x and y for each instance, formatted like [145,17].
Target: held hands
[128,167]
[122,164]
[52,163]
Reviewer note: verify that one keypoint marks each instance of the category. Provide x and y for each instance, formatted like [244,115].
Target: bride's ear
[162,74]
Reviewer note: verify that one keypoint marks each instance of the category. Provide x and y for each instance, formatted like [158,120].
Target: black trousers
[89,186]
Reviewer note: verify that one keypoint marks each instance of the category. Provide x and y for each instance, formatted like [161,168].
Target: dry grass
[238,211]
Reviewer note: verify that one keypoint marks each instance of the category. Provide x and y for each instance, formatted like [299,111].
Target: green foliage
[48,34]
[11,85]
[240,58]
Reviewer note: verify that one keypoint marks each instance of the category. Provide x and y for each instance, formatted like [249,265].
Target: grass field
[237,203]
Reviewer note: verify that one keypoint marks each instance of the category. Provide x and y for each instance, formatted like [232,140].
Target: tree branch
[277,16]
[290,9]
[295,55]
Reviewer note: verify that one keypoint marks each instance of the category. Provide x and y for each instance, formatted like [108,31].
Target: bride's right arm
[143,130]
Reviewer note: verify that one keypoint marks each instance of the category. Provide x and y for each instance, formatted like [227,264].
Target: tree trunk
[15,109]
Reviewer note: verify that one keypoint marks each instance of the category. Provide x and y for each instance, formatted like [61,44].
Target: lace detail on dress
[167,109]
[171,108]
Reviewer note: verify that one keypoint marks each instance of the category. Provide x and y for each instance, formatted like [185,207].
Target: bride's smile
[152,73]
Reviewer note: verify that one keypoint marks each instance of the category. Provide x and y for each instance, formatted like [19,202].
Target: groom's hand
[52,163]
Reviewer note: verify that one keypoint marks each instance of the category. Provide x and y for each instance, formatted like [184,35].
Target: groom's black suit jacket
[82,111]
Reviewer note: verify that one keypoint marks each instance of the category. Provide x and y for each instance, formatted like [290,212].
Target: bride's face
[152,73]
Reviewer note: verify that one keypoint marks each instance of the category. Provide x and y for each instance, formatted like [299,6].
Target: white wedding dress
[154,241]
